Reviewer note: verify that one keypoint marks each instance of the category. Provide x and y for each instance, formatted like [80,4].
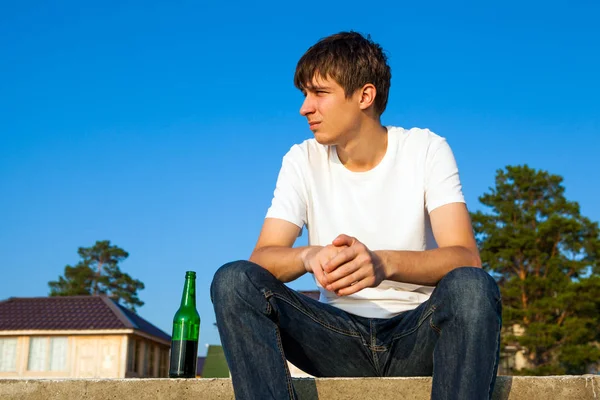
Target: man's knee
[228,279]
[234,281]
[472,293]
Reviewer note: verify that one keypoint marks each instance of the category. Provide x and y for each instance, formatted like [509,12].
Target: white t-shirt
[386,208]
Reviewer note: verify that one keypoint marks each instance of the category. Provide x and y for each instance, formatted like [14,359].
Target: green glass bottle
[186,330]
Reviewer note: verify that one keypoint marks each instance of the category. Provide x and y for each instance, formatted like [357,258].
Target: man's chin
[324,139]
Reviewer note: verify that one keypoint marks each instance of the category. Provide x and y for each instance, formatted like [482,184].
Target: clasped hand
[345,266]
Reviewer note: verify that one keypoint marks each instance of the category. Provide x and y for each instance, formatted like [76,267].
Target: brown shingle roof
[71,313]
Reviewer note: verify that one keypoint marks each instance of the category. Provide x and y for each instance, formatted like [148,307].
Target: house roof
[71,313]
[314,294]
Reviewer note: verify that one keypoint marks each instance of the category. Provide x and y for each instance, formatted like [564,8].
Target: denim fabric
[454,336]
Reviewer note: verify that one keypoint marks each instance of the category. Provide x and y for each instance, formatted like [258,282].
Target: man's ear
[367,96]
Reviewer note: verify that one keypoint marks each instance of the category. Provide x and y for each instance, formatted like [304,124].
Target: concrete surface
[507,388]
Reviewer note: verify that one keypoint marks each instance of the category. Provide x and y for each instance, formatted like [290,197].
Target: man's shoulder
[424,135]
[416,142]
[306,150]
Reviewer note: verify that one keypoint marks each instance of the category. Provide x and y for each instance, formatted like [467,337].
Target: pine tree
[99,272]
[545,256]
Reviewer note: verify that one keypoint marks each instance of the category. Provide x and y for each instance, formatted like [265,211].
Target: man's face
[331,116]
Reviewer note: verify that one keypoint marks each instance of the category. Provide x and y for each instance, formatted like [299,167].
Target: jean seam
[496,355]
[431,324]
[323,324]
[435,328]
[412,330]
[269,308]
[374,346]
[288,378]
[491,374]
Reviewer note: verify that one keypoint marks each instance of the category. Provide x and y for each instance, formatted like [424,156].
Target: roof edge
[147,335]
[118,313]
[66,332]
[48,297]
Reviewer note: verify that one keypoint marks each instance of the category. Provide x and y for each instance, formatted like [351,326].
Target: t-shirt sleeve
[289,197]
[442,181]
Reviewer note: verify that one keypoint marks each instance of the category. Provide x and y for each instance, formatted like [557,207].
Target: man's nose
[307,106]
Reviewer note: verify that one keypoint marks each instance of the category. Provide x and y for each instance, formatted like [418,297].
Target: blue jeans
[454,336]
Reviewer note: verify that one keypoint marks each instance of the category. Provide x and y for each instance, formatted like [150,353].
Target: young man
[389,235]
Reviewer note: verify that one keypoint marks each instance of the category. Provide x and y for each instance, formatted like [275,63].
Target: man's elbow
[470,257]
[257,255]
[254,258]
[475,259]
[257,258]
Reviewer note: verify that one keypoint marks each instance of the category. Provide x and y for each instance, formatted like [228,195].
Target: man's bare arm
[357,267]
[274,251]
[453,232]
[426,267]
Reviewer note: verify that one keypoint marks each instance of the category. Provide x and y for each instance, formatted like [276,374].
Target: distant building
[78,337]
[313,294]
[199,366]
[214,364]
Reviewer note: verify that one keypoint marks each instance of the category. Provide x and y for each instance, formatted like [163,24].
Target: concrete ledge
[507,388]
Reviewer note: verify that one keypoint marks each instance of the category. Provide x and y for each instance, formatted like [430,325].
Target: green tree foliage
[98,272]
[545,257]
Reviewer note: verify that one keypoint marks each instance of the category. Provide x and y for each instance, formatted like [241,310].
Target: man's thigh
[320,339]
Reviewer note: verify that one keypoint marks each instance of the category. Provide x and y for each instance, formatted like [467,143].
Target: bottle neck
[188,299]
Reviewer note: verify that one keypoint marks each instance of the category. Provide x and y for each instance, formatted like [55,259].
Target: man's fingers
[353,288]
[343,240]
[344,276]
[341,258]
[347,281]
[318,273]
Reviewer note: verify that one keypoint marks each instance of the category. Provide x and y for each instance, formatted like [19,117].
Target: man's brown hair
[351,60]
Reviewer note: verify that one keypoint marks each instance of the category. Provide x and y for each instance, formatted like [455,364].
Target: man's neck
[365,149]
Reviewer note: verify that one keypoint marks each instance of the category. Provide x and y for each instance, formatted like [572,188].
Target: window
[47,354]
[8,355]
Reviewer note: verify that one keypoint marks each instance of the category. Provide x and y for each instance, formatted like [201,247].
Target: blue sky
[161,126]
